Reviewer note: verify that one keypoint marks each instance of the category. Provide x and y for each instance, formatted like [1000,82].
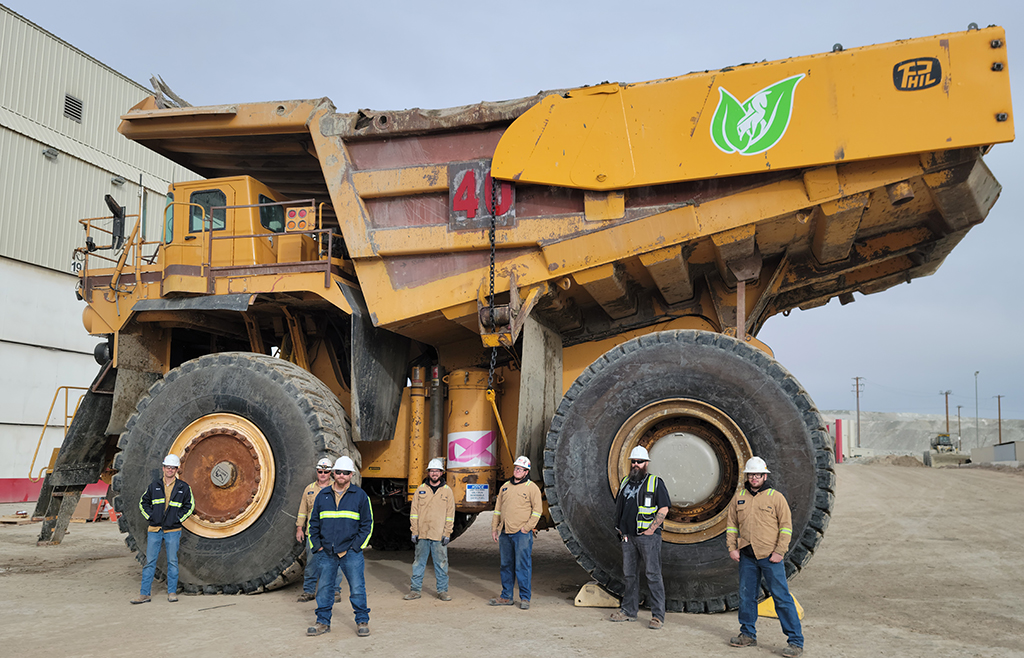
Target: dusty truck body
[565,276]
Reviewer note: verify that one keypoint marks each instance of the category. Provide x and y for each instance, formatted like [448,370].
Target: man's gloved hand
[415,538]
[445,540]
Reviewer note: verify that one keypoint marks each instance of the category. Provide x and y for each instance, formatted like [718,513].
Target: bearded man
[640,508]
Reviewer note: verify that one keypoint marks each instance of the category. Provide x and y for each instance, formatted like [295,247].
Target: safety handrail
[46,424]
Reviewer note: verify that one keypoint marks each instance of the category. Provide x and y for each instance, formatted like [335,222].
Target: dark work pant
[645,550]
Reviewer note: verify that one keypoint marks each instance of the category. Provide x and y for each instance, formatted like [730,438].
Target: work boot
[306,596]
[655,623]
[619,615]
[500,601]
[792,651]
[411,596]
[172,598]
[742,640]
[141,598]
[524,605]
[444,596]
[362,630]
[318,629]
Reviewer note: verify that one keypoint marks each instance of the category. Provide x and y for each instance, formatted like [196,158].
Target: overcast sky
[908,343]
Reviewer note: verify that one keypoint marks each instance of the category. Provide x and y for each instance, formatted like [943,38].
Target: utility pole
[946,393]
[999,401]
[857,389]
[977,439]
[959,442]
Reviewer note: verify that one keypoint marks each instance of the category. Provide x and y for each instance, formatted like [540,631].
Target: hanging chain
[495,188]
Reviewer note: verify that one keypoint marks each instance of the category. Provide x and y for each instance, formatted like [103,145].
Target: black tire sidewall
[241,385]
[746,384]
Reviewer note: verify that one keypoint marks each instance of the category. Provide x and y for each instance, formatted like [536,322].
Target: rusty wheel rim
[693,443]
[228,463]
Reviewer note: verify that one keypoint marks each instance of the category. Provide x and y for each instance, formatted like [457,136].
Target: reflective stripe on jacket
[518,506]
[160,513]
[762,521]
[345,526]
[646,510]
[433,512]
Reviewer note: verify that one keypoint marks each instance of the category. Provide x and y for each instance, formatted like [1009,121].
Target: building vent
[72,108]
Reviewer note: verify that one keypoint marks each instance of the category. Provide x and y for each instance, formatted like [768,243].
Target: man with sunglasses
[340,526]
[166,504]
[758,529]
[640,508]
[323,479]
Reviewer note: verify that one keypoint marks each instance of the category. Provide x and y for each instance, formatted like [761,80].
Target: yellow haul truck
[565,276]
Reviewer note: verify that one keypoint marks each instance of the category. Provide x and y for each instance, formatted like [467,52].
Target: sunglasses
[323,470]
[343,472]
[637,461]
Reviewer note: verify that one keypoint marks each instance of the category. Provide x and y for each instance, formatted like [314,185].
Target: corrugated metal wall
[44,197]
[43,344]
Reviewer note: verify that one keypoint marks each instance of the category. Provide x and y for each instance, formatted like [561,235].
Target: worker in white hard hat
[431,521]
[758,529]
[516,513]
[166,503]
[640,508]
[340,526]
[312,572]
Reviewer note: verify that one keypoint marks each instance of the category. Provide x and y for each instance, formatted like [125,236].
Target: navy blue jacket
[170,517]
[343,527]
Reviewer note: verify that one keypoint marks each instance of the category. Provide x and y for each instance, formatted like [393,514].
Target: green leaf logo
[758,123]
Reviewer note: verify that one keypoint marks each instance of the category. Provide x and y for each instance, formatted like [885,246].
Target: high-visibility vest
[646,508]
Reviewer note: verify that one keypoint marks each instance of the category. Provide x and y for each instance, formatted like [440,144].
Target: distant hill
[912,433]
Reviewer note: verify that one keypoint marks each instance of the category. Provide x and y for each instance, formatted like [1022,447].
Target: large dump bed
[633,204]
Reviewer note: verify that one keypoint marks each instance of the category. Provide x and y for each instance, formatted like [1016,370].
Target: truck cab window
[169,219]
[208,199]
[271,217]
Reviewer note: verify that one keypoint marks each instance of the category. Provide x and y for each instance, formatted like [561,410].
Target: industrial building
[60,153]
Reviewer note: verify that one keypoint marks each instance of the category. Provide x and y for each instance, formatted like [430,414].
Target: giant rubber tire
[775,414]
[302,421]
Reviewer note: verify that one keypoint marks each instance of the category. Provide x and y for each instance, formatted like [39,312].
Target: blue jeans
[774,574]
[516,563]
[352,566]
[170,540]
[429,548]
[311,575]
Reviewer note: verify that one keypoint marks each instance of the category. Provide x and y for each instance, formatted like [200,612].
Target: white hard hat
[756,465]
[522,461]
[324,463]
[640,452]
[435,463]
[345,463]
[172,460]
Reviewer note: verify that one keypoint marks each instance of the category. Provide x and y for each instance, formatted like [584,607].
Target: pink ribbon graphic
[471,452]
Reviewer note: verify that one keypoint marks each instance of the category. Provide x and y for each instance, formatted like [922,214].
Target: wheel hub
[697,450]
[228,463]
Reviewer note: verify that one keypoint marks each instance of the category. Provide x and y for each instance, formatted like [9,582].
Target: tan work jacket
[306,504]
[518,506]
[433,512]
[763,522]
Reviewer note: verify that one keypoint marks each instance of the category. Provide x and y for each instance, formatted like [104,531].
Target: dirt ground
[916,562]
